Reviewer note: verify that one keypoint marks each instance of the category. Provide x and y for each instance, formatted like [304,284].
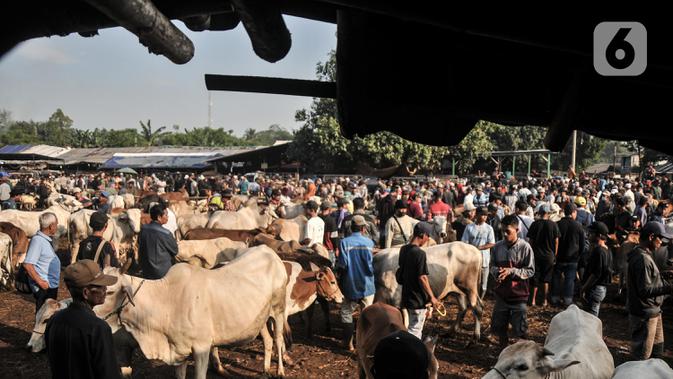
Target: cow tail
[287,335]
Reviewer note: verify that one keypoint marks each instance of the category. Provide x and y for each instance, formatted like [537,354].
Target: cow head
[439,226]
[527,359]
[133,218]
[327,285]
[51,306]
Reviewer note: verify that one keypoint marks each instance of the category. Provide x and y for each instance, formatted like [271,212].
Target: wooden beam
[279,86]
[264,23]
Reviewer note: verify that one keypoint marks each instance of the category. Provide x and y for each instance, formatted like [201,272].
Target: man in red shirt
[415,209]
[439,208]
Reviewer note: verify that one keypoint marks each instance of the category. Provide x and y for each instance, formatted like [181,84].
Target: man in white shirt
[524,221]
[5,193]
[631,205]
[481,235]
[315,226]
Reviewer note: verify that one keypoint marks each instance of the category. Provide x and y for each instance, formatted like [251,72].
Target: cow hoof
[287,360]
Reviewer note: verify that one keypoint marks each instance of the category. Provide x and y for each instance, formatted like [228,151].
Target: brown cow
[246,236]
[19,242]
[376,322]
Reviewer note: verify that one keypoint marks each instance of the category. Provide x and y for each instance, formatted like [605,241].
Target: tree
[151,137]
[267,137]
[5,119]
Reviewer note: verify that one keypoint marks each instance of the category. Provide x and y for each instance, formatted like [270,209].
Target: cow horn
[546,352]
[126,266]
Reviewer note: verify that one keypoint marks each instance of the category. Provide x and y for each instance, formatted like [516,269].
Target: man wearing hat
[227,204]
[103,205]
[79,344]
[646,293]
[356,275]
[95,247]
[399,227]
[544,237]
[401,355]
[480,235]
[584,217]
[413,276]
[598,272]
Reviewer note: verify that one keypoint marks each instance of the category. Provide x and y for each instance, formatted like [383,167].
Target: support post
[530,158]
[453,166]
[514,165]
[548,165]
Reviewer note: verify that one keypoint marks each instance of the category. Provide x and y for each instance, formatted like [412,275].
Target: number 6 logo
[620,48]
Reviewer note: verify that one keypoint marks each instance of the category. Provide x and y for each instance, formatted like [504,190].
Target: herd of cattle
[246,273]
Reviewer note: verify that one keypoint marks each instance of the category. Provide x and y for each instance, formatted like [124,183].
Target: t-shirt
[41,255]
[413,264]
[571,243]
[600,264]
[5,191]
[542,235]
[315,230]
[88,248]
[525,223]
[479,235]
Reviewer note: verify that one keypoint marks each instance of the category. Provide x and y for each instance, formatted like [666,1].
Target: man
[340,215]
[416,291]
[315,226]
[630,198]
[544,237]
[41,263]
[276,206]
[641,211]
[243,185]
[525,221]
[438,208]
[95,247]
[513,263]
[480,198]
[79,344]
[622,218]
[465,219]
[494,220]
[356,276]
[571,247]
[599,268]
[480,234]
[331,236]
[6,201]
[399,227]
[227,204]
[103,205]
[156,245]
[359,209]
[415,207]
[646,291]
[584,217]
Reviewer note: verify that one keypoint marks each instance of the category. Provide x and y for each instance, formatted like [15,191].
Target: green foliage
[267,137]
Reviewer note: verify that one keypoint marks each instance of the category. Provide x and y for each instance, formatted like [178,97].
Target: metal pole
[614,161]
[529,159]
[514,165]
[453,166]
[548,165]
[574,152]
[210,110]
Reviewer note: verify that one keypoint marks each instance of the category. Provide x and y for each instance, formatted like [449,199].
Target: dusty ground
[317,358]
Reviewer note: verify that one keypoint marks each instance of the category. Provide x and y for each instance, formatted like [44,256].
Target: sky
[111,81]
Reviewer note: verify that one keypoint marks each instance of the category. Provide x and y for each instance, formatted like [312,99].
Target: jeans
[594,298]
[569,271]
[416,321]
[349,306]
[504,314]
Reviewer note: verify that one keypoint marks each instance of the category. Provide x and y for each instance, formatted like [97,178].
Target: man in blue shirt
[481,235]
[356,275]
[41,264]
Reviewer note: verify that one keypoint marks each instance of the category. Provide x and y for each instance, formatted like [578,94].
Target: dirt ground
[319,357]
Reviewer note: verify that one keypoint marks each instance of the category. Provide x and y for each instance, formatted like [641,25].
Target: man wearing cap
[356,275]
[41,263]
[598,272]
[103,205]
[413,272]
[646,291]
[315,226]
[630,198]
[481,235]
[95,247]
[399,227]
[359,209]
[156,245]
[584,217]
[480,198]
[401,355]
[227,204]
[544,237]
[79,344]
[331,237]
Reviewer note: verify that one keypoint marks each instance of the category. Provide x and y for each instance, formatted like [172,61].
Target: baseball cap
[544,208]
[422,228]
[105,193]
[98,220]
[359,220]
[599,228]
[86,273]
[581,201]
[401,355]
[400,204]
[656,228]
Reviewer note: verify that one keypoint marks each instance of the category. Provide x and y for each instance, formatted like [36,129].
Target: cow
[290,247]
[295,210]
[19,242]
[455,268]
[226,306]
[67,200]
[6,264]
[29,221]
[129,200]
[291,229]
[117,201]
[27,202]
[189,222]
[209,252]
[246,218]
[122,230]
[235,235]
[43,315]
[376,322]
[574,349]
[652,368]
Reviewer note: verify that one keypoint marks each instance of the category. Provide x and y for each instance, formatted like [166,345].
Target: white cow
[292,211]
[193,309]
[455,268]
[290,229]
[117,201]
[653,368]
[209,252]
[247,218]
[69,201]
[6,264]
[50,306]
[122,230]
[193,221]
[29,221]
[574,349]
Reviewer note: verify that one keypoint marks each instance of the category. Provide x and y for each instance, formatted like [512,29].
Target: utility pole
[572,161]
[210,110]
[614,161]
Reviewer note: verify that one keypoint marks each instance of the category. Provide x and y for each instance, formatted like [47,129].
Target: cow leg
[462,304]
[215,361]
[324,305]
[200,363]
[279,321]
[477,310]
[181,371]
[268,348]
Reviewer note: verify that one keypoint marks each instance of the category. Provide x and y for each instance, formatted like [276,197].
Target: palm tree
[150,136]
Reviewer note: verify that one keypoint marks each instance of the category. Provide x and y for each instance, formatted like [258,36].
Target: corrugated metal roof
[666,168]
[101,154]
[159,161]
[13,149]
[19,152]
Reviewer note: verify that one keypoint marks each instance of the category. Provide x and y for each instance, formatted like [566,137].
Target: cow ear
[550,365]
[320,275]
